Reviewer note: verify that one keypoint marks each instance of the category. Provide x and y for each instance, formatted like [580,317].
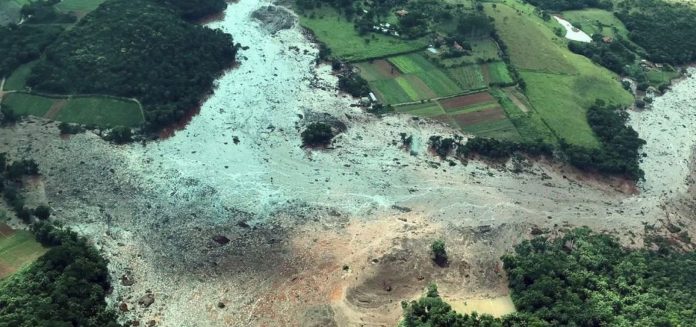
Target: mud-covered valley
[230,222]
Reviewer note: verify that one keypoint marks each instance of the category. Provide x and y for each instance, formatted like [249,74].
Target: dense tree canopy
[65,287]
[619,153]
[666,30]
[139,49]
[24,43]
[581,279]
[196,9]
[571,4]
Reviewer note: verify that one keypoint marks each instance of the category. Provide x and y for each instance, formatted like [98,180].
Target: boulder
[274,19]
[147,300]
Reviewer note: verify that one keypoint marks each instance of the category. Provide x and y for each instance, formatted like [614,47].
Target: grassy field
[18,79]
[658,77]
[100,111]
[531,44]
[468,77]
[560,85]
[498,72]
[27,104]
[596,21]
[80,6]
[344,41]
[17,249]
[439,82]
[389,91]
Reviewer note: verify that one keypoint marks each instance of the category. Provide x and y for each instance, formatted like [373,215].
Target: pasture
[561,85]
[531,44]
[341,37]
[99,111]
[18,248]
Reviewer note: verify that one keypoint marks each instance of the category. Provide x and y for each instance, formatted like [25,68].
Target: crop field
[412,63]
[427,109]
[496,72]
[406,78]
[18,78]
[100,111]
[340,35]
[596,21]
[18,248]
[377,70]
[468,77]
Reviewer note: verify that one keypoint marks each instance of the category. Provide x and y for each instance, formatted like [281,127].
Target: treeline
[619,153]
[559,5]
[44,12]
[581,279]
[20,44]
[505,55]
[66,286]
[615,56]
[137,49]
[665,30]
[196,9]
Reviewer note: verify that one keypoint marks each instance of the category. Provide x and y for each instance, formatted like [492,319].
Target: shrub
[317,134]
[42,212]
[439,252]
[121,135]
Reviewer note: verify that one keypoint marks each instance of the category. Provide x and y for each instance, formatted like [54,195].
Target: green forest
[137,49]
[64,287]
[581,279]
[23,43]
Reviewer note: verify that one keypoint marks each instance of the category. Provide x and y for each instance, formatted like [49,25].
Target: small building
[457,46]
[402,12]
[607,39]
[373,97]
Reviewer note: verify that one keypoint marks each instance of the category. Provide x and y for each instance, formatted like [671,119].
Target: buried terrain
[230,222]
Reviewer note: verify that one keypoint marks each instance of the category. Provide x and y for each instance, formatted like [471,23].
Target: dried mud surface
[261,232]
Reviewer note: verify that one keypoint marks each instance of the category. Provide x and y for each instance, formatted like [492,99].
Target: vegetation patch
[106,53]
[412,63]
[377,70]
[553,282]
[64,287]
[466,100]
[21,44]
[596,21]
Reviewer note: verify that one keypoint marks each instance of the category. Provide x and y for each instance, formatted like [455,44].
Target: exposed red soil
[6,230]
[180,124]
[473,118]
[466,100]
